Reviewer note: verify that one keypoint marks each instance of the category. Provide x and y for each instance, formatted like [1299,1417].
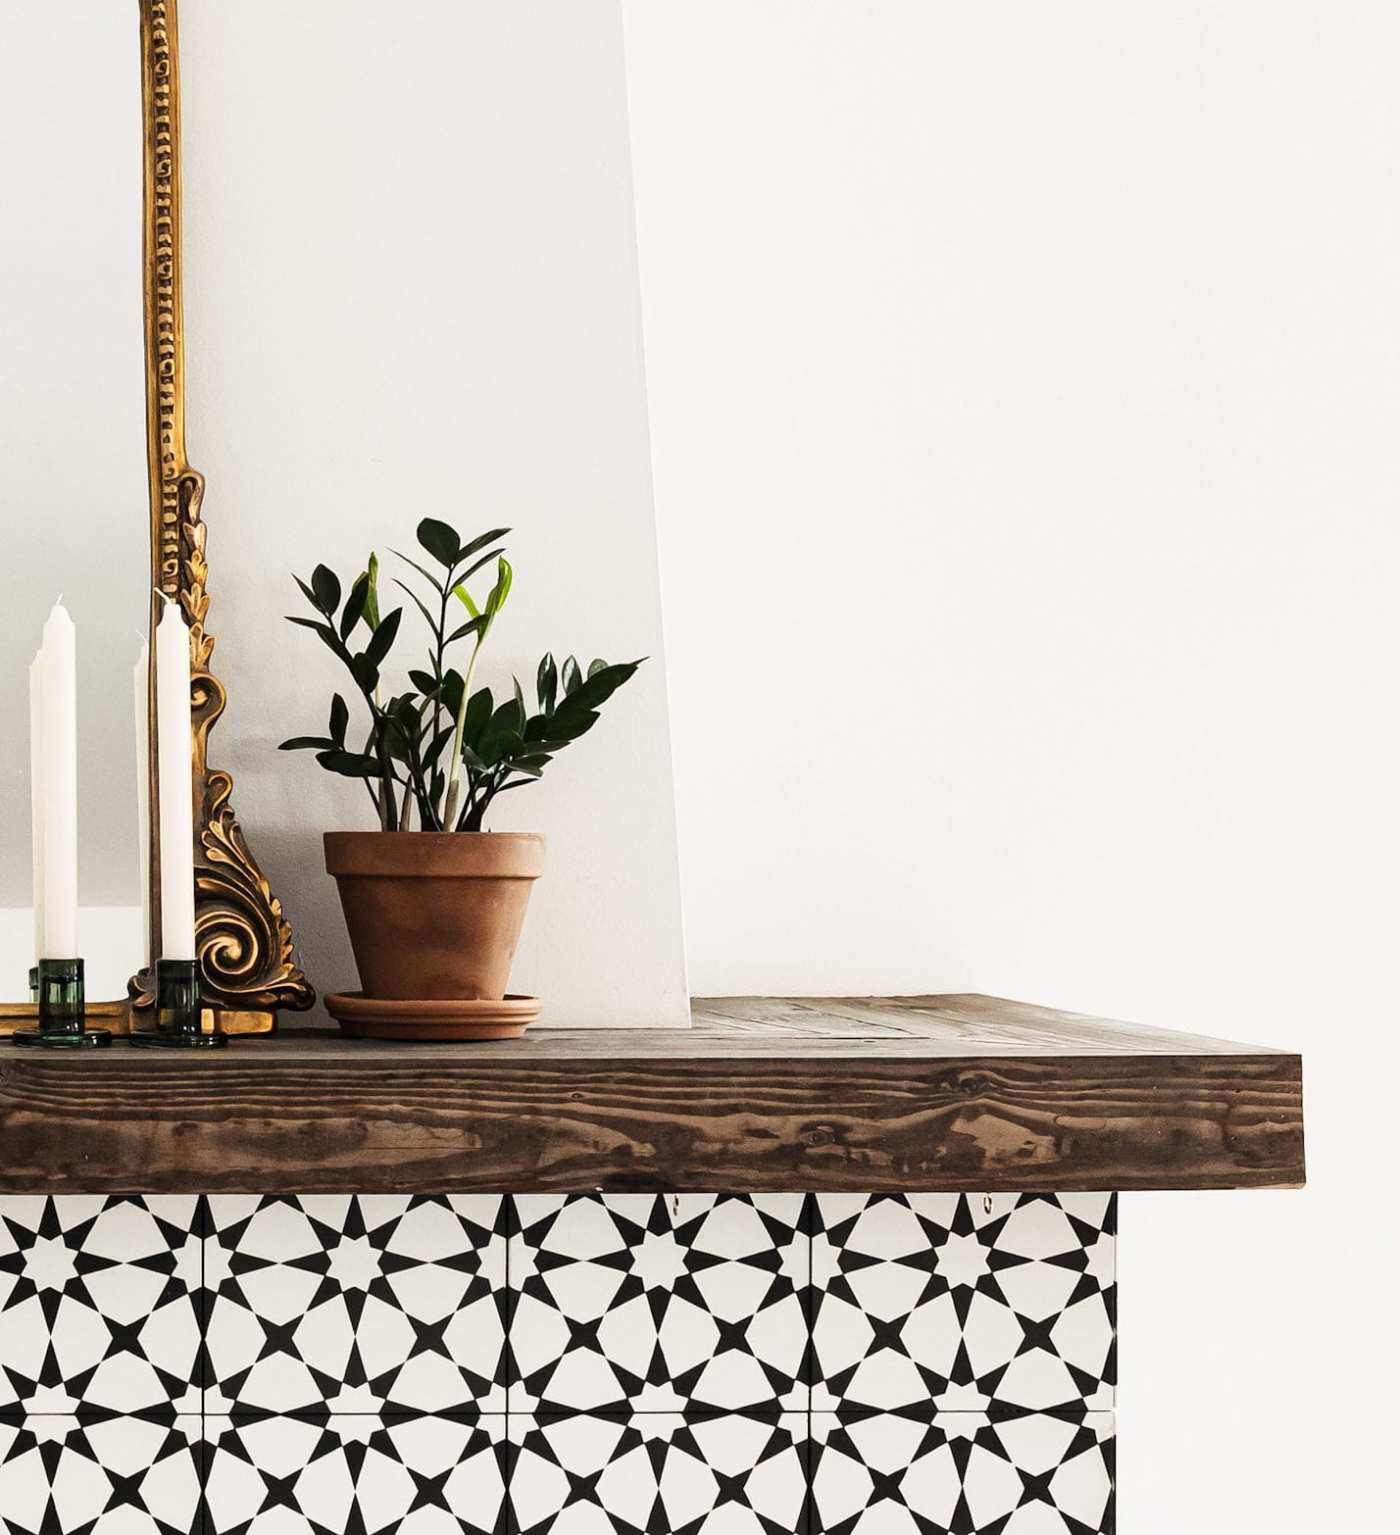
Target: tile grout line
[204,1224]
[809,1220]
[508,1212]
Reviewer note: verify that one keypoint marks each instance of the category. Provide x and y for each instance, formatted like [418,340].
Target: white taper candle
[175,777]
[58,785]
[141,698]
[36,795]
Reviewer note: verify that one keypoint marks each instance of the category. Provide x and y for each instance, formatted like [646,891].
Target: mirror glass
[73,498]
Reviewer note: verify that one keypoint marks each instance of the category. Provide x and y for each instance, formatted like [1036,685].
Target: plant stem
[454,771]
[388,804]
[441,638]
[416,787]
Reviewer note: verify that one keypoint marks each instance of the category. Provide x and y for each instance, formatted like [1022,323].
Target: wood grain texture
[963,1093]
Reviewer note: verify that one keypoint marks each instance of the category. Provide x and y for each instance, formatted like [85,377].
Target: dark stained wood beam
[890,1094]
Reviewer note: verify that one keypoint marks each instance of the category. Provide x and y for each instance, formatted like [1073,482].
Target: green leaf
[402,728]
[514,783]
[452,691]
[480,542]
[470,627]
[427,575]
[569,724]
[306,743]
[440,541]
[471,570]
[325,585]
[354,606]
[422,606]
[372,605]
[503,734]
[425,682]
[595,667]
[547,684]
[407,710]
[365,673]
[479,713]
[383,638]
[435,747]
[510,716]
[311,623]
[501,749]
[349,764]
[497,600]
[340,718]
[600,685]
[332,639]
[520,699]
[572,678]
[465,598]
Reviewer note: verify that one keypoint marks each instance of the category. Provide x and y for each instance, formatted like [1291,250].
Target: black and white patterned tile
[352,1304]
[930,1303]
[355,1475]
[1022,1473]
[658,1474]
[658,1356]
[658,1303]
[112,1476]
[99,1304]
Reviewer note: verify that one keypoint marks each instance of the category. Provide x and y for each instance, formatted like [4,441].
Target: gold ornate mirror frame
[243,939]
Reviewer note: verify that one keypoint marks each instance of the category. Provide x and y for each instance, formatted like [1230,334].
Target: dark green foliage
[406,756]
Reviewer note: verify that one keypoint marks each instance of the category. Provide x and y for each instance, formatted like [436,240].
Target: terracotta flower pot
[434,915]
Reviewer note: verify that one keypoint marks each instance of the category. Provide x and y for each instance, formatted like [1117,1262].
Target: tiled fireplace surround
[661,1363]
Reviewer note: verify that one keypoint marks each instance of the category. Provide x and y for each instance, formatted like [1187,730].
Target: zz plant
[438,747]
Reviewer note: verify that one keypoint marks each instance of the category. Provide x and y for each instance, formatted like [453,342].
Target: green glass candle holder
[60,992]
[179,1011]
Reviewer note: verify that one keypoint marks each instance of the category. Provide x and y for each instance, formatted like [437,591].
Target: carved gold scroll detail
[243,939]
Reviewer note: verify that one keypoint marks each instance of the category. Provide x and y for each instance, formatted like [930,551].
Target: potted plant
[435,902]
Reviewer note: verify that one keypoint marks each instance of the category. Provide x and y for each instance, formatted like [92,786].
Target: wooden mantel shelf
[870,1094]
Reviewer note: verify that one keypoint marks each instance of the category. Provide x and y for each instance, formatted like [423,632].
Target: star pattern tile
[658,1303]
[113,1476]
[351,1475]
[930,1303]
[299,1365]
[962,1473]
[99,1304]
[342,1303]
[658,1474]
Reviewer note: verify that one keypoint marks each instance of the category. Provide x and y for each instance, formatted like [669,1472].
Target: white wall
[1025,399]
[411,289]
[73,503]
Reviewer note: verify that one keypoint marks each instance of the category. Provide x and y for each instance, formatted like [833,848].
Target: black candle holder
[179,1011]
[59,990]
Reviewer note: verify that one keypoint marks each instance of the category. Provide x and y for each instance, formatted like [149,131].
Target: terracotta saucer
[367,1018]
